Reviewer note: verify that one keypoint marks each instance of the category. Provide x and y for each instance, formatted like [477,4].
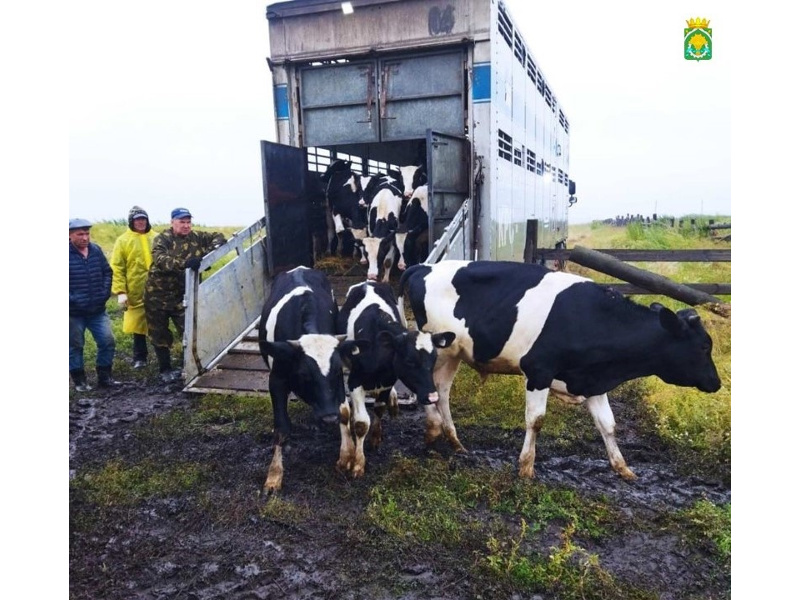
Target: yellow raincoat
[130,260]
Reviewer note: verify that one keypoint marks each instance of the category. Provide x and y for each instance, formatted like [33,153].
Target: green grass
[476,510]
[709,522]
[568,572]
[121,484]
[430,500]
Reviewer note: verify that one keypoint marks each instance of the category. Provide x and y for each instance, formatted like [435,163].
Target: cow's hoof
[267,492]
[627,474]
[526,469]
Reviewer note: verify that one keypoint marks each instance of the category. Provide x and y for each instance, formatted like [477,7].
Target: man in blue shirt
[89,289]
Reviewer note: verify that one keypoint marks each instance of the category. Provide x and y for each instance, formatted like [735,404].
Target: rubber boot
[165,365]
[139,351]
[79,379]
[104,379]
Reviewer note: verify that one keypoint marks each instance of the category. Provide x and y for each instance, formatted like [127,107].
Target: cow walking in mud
[297,339]
[390,352]
[561,331]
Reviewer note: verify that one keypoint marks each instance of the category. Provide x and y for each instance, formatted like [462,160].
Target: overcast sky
[169,99]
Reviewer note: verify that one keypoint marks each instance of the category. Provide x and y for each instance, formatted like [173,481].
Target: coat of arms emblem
[697,40]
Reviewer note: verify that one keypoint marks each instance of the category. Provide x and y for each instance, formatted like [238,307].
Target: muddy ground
[220,545]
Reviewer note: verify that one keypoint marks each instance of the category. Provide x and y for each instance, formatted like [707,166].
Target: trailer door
[382,100]
[420,93]
[287,207]
[448,182]
[337,103]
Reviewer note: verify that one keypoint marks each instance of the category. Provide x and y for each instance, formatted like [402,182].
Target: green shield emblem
[697,40]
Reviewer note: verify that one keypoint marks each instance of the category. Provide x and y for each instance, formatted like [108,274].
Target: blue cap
[79,224]
[181,213]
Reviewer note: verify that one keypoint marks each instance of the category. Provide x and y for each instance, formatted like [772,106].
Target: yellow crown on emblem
[698,22]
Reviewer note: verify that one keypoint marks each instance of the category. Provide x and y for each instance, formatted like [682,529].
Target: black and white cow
[371,185]
[563,332]
[344,197]
[384,219]
[390,352]
[298,341]
[411,238]
[412,176]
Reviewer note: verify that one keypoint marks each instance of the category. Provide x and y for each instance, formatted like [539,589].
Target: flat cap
[79,224]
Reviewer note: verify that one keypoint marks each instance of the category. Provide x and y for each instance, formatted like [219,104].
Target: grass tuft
[120,484]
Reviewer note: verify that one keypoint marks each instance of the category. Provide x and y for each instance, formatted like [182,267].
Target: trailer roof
[280,10]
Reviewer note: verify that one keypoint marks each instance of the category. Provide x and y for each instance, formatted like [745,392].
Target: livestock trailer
[447,84]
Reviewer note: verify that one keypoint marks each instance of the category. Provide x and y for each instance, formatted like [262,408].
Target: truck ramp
[242,370]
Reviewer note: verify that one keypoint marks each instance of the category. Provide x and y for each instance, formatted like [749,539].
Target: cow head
[313,367]
[377,253]
[412,176]
[686,358]
[415,355]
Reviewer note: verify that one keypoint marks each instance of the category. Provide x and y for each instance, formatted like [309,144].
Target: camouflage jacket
[166,280]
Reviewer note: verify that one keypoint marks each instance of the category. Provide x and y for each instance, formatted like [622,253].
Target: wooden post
[531,241]
[651,281]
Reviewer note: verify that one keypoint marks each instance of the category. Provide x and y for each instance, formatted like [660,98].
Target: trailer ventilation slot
[519,49]
[531,161]
[532,70]
[563,120]
[318,159]
[503,145]
[504,25]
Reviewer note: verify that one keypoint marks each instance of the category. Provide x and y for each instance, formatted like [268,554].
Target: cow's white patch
[533,310]
[365,179]
[424,342]
[400,242]
[272,320]
[440,304]
[319,348]
[370,298]
[352,183]
[338,224]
